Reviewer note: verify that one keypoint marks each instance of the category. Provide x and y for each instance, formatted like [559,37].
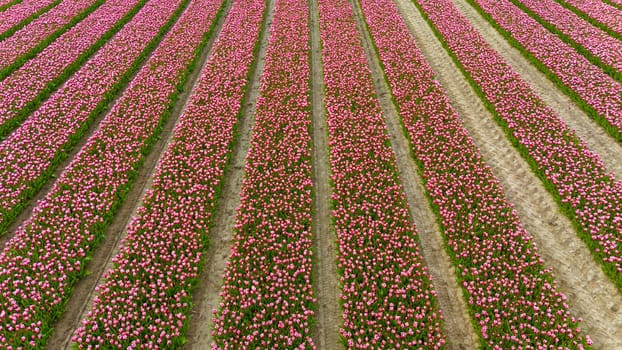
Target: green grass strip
[27,20]
[47,41]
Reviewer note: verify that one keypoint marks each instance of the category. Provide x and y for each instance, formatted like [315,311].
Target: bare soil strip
[460,333]
[327,287]
[84,291]
[590,293]
[596,138]
[206,295]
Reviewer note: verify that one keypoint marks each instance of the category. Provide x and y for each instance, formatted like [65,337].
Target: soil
[460,334]
[206,296]
[327,288]
[596,138]
[591,295]
[81,300]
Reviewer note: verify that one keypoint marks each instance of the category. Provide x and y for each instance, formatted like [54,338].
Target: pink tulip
[385,284]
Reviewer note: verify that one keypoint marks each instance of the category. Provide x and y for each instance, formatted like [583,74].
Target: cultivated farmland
[310,174]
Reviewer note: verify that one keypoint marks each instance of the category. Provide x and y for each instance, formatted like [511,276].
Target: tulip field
[317,174]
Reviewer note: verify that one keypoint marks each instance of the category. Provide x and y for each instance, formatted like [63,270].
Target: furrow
[591,296]
[84,292]
[326,278]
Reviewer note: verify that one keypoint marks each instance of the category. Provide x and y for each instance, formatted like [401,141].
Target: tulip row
[506,285]
[30,154]
[593,43]
[267,297]
[599,13]
[573,174]
[48,254]
[146,296]
[388,297]
[23,90]
[615,3]
[15,17]
[33,38]
[596,92]
[5,4]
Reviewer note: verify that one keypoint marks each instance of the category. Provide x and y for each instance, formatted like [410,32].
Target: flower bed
[20,14]
[26,88]
[161,256]
[267,297]
[573,174]
[599,94]
[599,13]
[5,4]
[595,44]
[48,254]
[387,296]
[31,39]
[511,295]
[30,154]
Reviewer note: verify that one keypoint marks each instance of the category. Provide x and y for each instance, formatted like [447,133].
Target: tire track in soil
[206,296]
[81,300]
[457,327]
[590,293]
[598,141]
[327,287]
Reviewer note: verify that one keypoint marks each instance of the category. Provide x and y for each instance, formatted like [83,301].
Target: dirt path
[328,318]
[82,297]
[590,293]
[460,333]
[585,127]
[206,295]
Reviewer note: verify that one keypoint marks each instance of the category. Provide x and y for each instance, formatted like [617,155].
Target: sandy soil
[206,295]
[460,333]
[327,288]
[82,297]
[596,138]
[590,293]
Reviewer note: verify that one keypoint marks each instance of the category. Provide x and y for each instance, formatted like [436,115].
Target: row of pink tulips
[40,265]
[588,85]
[161,256]
[588,39]
[5,4]
[508,289]
[267,297]
[597,12]
[23,90]
[573,174]
[615,3]
[388,297]
[31,39]
[18,15]
[29,155]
